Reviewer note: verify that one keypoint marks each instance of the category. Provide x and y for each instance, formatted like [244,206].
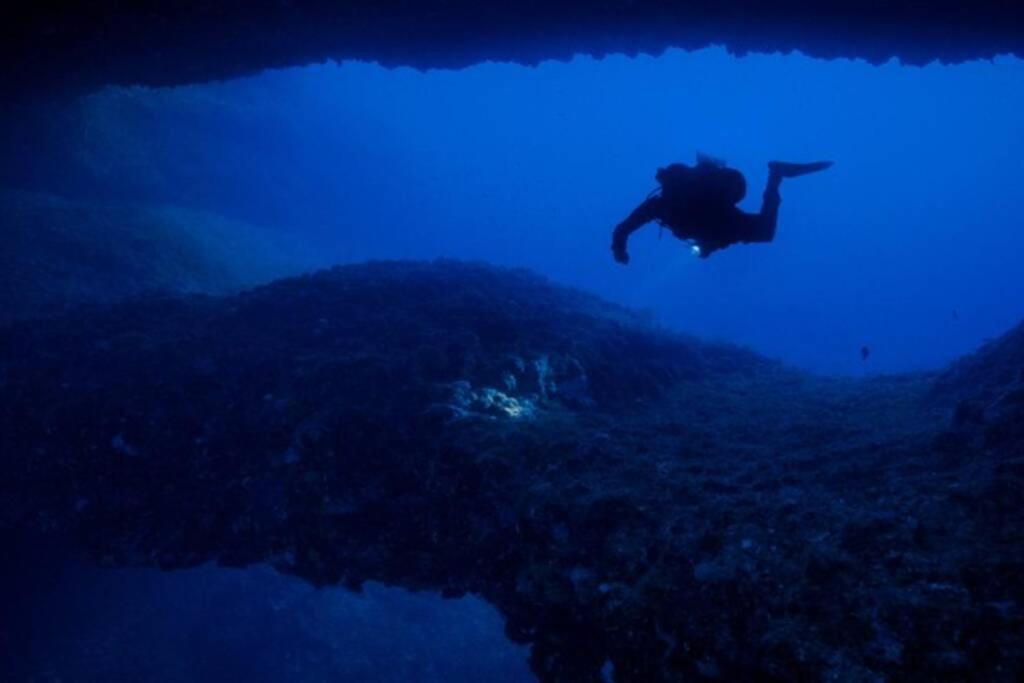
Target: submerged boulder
[639,505]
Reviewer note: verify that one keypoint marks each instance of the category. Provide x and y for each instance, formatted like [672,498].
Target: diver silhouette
[698,203]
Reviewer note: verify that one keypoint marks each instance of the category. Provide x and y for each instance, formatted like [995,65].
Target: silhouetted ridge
[988,386]
[994,368]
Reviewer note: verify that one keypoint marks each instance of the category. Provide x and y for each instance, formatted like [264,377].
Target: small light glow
[695,250]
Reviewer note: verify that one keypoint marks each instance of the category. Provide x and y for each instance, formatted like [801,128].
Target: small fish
[865,353]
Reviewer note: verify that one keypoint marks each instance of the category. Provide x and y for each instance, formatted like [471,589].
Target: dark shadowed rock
[990,386]
[635,503]
[66,46]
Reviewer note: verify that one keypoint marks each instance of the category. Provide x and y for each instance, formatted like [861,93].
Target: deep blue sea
[908,244]
[902,257]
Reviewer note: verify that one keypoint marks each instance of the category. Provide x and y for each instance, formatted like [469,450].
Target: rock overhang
[65,47]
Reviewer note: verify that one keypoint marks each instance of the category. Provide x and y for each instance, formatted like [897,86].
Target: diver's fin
[784,169]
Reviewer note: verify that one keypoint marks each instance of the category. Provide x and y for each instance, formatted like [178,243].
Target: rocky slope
[640,506]
[71,47]
[58,253]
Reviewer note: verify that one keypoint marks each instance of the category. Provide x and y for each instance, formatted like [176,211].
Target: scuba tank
[709,181]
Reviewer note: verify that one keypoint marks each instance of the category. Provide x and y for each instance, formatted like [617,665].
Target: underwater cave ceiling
[632,501]
[71,47]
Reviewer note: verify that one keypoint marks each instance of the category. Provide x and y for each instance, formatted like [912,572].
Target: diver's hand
[619,245]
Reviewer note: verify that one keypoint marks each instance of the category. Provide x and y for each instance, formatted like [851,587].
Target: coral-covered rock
[637,504]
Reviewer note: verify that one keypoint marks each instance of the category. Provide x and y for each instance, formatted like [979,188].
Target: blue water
[908,245]
[258,626]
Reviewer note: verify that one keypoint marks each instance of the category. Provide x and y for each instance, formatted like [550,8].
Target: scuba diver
[698,204]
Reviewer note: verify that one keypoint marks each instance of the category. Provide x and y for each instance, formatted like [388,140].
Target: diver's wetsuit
[708,218]
[713,225]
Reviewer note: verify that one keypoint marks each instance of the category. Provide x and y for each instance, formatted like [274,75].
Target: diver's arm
[645,213]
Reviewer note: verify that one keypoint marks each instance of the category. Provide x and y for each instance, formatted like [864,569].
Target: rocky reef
[640,506]
[60,253]
[71,47]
